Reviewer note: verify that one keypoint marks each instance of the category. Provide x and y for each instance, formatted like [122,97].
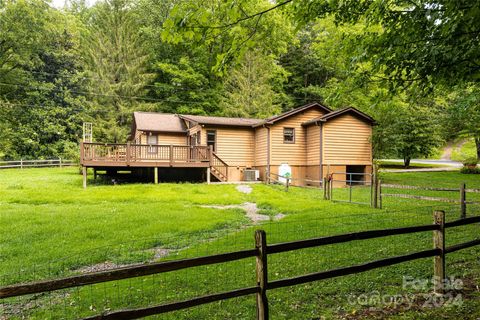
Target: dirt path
[251,211]
[447,151]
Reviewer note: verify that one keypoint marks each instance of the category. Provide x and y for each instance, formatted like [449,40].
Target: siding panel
[347,141]
[235,146]
[313,145]
[261,136]
[167,138]
[293,154]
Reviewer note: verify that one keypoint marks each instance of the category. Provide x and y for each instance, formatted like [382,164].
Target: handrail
[222,167]
[135,153]
[220,159]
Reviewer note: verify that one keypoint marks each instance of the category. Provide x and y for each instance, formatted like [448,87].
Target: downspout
[321,151]
[268,154]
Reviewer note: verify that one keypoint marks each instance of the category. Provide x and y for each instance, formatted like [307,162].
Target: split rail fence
[462,199]
[261,251]
[22,164]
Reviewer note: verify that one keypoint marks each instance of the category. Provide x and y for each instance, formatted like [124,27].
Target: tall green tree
[40,103]
[116,64]
[250,88]
[407,131]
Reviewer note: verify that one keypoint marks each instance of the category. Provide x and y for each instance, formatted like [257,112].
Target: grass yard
[50,227]
[385,164]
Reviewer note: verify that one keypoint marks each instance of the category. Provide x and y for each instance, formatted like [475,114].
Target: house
[310,141]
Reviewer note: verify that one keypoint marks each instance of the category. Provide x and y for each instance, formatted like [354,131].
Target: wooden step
[217,174]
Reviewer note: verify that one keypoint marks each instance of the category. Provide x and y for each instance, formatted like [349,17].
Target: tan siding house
[312,141]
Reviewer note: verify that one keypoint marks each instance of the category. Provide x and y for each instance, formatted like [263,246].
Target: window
[212,139]
[288,135]
[152,140]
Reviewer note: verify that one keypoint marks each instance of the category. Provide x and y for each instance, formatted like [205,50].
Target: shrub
[469,170]
[470,162]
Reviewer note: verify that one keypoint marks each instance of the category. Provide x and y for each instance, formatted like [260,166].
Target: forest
[413,65]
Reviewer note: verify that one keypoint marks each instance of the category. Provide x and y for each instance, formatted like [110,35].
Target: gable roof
[165,122]
[292,112]
[158,122]
[339,112]
[222,121]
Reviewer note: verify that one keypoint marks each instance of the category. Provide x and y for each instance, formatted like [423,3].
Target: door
[212,139]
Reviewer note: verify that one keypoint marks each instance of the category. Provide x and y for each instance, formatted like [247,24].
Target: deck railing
[128,153]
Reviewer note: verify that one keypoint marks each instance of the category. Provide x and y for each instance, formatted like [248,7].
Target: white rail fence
[21,164]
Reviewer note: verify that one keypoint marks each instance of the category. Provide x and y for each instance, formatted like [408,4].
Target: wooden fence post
[60,162]
[262,274]
[127,156]
[463,201]
[439,261]
[21,163]
[84,174]
[210,155]
[287,184]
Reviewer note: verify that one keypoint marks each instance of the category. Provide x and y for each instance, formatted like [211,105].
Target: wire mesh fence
[187,283]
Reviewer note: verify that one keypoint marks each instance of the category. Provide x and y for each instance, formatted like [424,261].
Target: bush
[470,162]
[468,170]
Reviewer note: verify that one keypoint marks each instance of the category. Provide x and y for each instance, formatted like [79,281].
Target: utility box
[251,175]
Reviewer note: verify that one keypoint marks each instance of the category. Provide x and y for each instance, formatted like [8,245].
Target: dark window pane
[288,135]
[211,139]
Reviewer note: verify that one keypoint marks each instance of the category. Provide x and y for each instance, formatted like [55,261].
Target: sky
[60,3]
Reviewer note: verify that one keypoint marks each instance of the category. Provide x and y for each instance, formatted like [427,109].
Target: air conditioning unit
[251,175]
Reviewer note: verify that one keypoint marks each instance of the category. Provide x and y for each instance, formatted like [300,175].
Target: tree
[307,70]
[463,113]
[249,88]
[40,104]
[116,66]
[407,131]
[228,30]
[423,41]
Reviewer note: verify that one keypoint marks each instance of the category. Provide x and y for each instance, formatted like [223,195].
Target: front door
[212,139]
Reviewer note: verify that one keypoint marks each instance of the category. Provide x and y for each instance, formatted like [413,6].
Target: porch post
[155,175]
[208,175]
[84,174]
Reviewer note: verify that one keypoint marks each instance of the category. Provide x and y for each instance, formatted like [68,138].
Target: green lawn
[50,226]
[385,164]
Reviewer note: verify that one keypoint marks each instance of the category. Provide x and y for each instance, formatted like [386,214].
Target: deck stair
[218,168]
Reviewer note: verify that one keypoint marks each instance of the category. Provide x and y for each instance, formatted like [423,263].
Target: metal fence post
[350,191]
[287,184]
[330,187]
[439,261]
[463,201]
[262,274]
[372,202]
[378,194]
[325,188]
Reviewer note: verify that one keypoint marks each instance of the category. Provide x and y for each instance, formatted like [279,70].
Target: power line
[82,77]
[104,95]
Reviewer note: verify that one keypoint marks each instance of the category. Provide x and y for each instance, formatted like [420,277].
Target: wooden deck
[142,155]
